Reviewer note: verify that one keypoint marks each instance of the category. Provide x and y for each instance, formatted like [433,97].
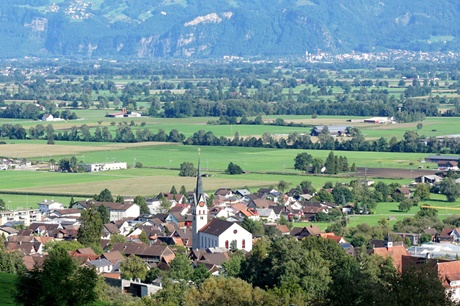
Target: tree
[173,190]
[104,196]
[283,185]
[50,285]
[234,169]
[405,205]
[302,161]
[144,238]
[133,268]
[232,267]
[331,164]
[422,191]
[254,227]
[89,233]
[225,291]
[2,205]
[140,200]
[104,213]
[11,262]
[165,205]
[181,268]
[450,189]
[419,126]
[120,199]
[187,169]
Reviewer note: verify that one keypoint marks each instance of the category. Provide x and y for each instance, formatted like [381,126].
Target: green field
[6,288]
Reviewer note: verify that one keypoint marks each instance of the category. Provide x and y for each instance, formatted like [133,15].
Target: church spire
[199,183]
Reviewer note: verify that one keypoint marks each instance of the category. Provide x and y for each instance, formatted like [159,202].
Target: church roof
[216,227]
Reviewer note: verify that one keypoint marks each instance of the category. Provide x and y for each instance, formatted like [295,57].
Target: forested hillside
[198,28]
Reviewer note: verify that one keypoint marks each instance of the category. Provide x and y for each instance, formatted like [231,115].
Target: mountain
[205,28]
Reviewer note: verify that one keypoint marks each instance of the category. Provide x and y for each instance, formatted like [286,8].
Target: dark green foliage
[234,169]
[89,233]
[104,213]
[104,196]
[11,262]
[450,189]
[302,161]
[140,200]
[133,268]
[50,286]
[187,169]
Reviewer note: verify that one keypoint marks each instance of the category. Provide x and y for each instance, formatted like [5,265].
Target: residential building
[26,216]
[46,206]
[117,211]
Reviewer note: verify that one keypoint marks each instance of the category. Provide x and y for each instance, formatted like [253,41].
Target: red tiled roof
[395,252]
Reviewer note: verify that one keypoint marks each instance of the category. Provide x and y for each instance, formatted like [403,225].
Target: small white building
[221,233]
[106,166]
[46,206]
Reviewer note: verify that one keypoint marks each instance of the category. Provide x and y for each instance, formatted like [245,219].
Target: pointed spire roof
[199,183]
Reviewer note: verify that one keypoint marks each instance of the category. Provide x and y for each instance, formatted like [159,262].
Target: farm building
[440,158]
[106,166]
[447,165]
[379,120]
[333,130]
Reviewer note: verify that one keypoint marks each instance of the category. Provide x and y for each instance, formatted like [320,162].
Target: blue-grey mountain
[203,28]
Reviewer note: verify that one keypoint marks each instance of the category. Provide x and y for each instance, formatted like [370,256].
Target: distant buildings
[96,167]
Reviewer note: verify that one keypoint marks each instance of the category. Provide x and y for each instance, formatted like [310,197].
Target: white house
[46,206]
[267,214]
[117,211]
[101,265]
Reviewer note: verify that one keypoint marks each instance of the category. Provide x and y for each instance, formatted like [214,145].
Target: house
[438,158]
[395,252]
[153,204]
[379,120]
[445,236]
[447,165]
[404,191]
[7,231]
[226,192]
[153,254]
[117,211]
[101,265]
[109,229]
[455,235]
[267,214]
[307,231]
[113,256]
[333,130]
[65,213]
[428,179]
[46,206]
[260,203]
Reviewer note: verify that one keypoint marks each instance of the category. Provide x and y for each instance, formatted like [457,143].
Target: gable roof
[216,227]
[395,252]
[111,228]
[113,256]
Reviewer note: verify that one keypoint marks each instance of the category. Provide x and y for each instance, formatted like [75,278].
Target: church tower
[199,208]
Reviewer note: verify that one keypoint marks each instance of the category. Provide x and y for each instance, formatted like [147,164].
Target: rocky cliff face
[201,28]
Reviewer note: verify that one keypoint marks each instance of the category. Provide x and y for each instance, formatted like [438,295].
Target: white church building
[217,232]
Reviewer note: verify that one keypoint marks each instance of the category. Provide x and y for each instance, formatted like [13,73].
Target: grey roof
[442,157]
[100,263]
[216,227]
[331,128]
[264,212]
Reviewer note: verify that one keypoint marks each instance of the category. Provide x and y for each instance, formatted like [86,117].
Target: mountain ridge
[200,28]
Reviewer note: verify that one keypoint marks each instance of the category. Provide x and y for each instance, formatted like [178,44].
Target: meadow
[6,288]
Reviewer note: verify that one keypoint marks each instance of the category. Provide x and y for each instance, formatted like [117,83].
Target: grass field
[6,288]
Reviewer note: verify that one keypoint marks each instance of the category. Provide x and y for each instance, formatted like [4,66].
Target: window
[243,244]
[226,244]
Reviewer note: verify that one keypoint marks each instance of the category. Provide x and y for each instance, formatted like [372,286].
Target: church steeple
[199,184]
[199,209]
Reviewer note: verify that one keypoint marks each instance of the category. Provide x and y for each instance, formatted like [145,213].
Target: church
[217,232]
